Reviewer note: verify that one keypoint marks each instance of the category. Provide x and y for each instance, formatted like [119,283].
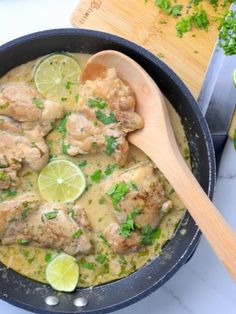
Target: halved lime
[62,273]
[56,75]
[234,77]
[61,180]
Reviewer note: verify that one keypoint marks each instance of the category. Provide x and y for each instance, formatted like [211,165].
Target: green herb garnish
[184,25]
[85,264]
[164,5]
[3,176]
[62,125]
[23,241]
[176,10]
[110,169]
[71,213]
[38,103]
[69,84]
[111,144]
[51,215]
[102,200]
[83,163]
[48,257]
[129,225]
[97,102]
[101,258]
[77,234]
[227,36]
[200,19]
[96,176]
[105,119]
[149,235]
[118,192]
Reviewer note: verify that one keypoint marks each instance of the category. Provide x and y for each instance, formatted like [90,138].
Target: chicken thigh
[52,225]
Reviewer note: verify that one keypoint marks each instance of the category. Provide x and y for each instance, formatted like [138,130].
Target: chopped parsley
[105,119]
[38,103]
[96,176]
[83,163]
[77,234]
[101,258]
[97,102]
[149,235]
[48,257]
[111,144]
[110,169]
[118,192]
[129,225]
[85,264]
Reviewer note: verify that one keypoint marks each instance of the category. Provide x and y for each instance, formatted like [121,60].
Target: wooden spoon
[157,140]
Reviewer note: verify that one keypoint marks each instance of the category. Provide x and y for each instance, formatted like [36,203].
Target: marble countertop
[202,286]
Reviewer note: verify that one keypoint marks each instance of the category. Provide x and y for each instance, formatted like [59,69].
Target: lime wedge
[62,181]
[234,77]
[62,273]
[56,76]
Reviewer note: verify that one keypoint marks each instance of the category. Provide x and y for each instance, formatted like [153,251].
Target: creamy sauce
[32,261]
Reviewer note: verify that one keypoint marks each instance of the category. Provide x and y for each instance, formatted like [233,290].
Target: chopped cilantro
[200,19]
[77,97]
[96,176]
[83,164]
[184,25]
[38,103]
[118,192]
[149,234]
[23,241]
[129,225]
[25,211]
[104,239]
[105,119]
[48,257]
[65,147]
[69,84]
[85,264]
[50,215]
[176,10]
[111,144]
[63,99]
[9,192]
[227,36]
[71,213]
[101,258]
[77,234]
[110,169]
[97,102]
[164,5]
[62,125]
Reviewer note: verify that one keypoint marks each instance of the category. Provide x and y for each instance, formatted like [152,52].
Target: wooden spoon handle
[218,233]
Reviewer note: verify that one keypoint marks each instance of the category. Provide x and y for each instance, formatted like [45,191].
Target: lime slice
[62,181]
[56,76]
[234,77]
[62,273]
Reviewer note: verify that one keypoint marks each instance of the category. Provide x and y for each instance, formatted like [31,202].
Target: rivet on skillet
[81,301]
[51,300]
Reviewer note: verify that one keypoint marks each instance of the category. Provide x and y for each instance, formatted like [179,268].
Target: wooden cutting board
[144,24]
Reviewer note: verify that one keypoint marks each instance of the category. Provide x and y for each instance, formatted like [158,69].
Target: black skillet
[31,295]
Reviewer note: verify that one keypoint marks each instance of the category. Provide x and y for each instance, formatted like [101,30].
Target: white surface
[200,287]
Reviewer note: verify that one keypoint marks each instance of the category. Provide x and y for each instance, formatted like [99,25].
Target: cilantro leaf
[111,144]
[38,103]
[176,10]
[105,119]
[149,234]
[97,102]
[129,225]
[77,234]
[200,19]
[96,176]
[184,25]
[101,258]
[164,5]
[62,126]
[83,163]
[109,169]
[118,192]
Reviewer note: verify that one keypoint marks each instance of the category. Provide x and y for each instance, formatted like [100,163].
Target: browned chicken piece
[51,225]
[106,114]
[22,102]
[18,146]
[142,198]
